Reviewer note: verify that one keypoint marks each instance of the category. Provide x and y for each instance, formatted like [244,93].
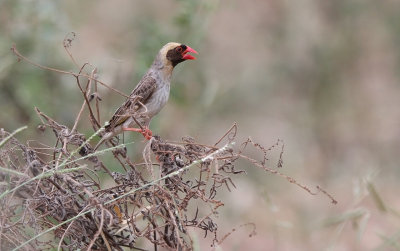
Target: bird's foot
[146,132]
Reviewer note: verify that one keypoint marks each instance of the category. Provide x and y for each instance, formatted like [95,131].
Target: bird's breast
[158,100]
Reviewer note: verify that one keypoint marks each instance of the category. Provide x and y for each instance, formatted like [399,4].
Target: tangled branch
[58,189]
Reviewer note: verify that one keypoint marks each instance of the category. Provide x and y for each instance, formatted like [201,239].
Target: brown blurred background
[321,75]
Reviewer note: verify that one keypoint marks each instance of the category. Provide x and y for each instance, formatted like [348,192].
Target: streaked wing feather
[141,93]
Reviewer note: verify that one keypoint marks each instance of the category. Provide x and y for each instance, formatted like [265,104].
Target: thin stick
[67,43]
[84,102]
[234,126]
[288,178]
[66,230]
[97,101]
[12,135]
[87,102]
[20,56]
[99,229]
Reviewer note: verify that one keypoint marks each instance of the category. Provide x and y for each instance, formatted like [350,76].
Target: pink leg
[146,132]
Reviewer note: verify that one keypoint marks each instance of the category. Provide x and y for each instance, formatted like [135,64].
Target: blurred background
[323,76]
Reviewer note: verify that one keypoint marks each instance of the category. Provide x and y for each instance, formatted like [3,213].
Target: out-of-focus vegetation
[321,75]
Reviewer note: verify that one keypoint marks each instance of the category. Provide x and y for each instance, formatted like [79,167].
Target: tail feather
[105,137]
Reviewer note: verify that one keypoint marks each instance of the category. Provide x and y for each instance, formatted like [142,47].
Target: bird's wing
[141,93]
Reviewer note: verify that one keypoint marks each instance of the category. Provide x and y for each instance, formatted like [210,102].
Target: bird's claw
[147,133]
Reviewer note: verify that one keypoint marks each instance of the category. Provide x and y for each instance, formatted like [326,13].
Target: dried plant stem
[99,229]
[67,229]
[288,178]
[49,173]
[85,100]
[6,170]
[154,182]
[208,157]
[41,176]
[12,135]
[79,148]
[53,228]
[20,56]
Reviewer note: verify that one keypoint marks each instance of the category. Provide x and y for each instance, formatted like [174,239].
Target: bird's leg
[146,132]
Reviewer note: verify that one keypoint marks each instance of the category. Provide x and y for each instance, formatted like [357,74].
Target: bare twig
[21,57]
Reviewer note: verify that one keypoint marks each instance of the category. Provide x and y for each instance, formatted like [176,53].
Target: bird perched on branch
[150,95]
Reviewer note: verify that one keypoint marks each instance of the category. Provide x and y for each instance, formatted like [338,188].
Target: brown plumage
[150,95]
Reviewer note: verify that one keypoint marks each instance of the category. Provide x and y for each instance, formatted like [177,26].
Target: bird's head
[175,53]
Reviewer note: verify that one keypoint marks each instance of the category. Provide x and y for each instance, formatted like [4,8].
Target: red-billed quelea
[150,95]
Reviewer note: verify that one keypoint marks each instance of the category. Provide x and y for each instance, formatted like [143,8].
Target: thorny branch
[50,189]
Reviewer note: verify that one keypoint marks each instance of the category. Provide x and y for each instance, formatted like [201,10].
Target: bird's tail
[105,137]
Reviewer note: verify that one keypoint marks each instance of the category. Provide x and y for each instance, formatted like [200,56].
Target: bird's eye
[179,49]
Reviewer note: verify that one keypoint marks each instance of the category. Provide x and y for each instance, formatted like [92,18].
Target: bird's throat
[167,71]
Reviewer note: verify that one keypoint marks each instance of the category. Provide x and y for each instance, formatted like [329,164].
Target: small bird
[150,95]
